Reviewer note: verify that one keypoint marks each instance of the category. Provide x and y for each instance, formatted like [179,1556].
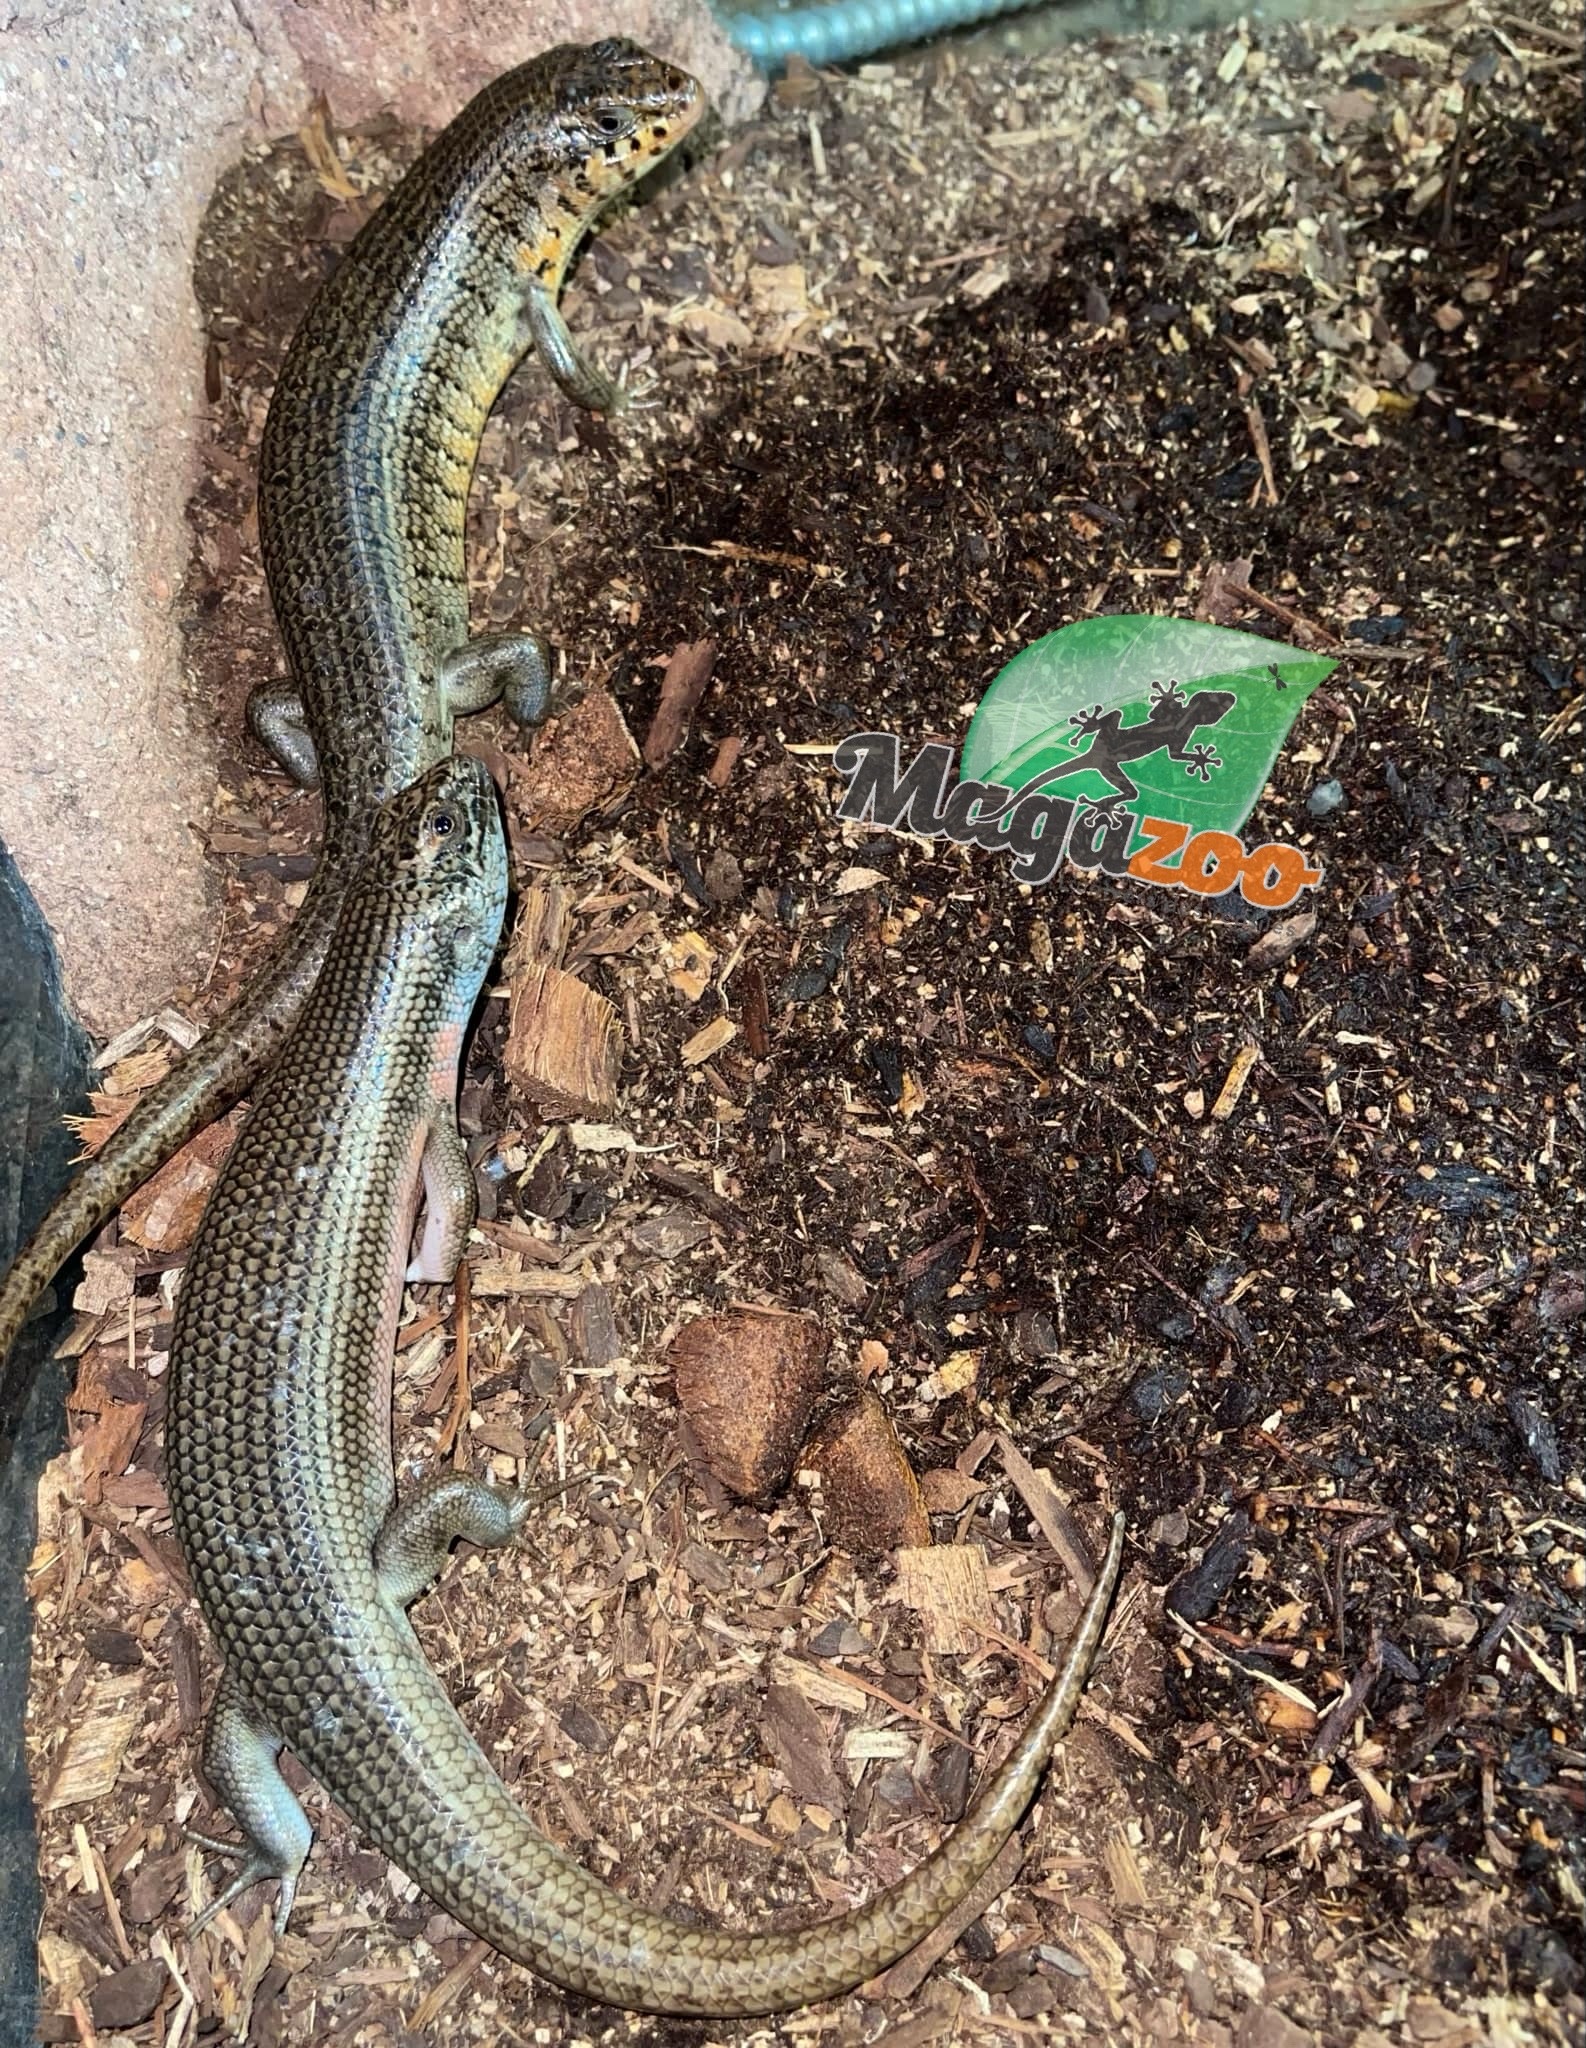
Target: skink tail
[537,1905]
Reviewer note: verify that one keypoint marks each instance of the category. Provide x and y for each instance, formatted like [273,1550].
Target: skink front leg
[516,667]
[241,1761]
[275,718]
[451,1201]
[582,382]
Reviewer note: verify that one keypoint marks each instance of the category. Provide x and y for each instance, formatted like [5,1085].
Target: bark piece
[1040,1495]
[163,1215]
[1221,600]
[582,760]
[873,1500]
[748,1385]
[594,1326]
[946,1585]
[671,1232]
[152,1887]
[706,1567]
[948,1492]
[706,1043]
[720,770]
[1195,1593]
[839,1276]
[539,935]
[682,686]
[1281,941]
[90,1760]
[564,1045]
[795,1736]
[126,1998]
[584,1728]
[107,1281]
[107,1445]
[1123,1870]
[1263,2026]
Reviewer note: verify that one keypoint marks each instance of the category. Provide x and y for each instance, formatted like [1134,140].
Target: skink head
[438,855]
[622,107]
[597,117]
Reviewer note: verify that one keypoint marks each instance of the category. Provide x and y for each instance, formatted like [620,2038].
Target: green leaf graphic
[1026,724]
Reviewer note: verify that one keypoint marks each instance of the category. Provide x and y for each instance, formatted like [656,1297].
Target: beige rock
[117,127]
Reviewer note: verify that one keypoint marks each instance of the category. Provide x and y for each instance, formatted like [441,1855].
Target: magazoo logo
[1132,746]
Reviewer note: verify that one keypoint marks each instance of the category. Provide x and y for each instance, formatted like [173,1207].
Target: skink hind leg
[451,1202]
[582,382]
[412,1547]
[241,1762]
[275,718]
[516,667]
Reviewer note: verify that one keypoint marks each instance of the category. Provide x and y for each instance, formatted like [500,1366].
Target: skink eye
[442,824]
[612,123]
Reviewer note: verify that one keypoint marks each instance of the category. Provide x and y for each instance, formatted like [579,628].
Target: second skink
[283,1490]
[368,450]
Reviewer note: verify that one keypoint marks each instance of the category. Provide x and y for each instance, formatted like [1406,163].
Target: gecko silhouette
[1173,717]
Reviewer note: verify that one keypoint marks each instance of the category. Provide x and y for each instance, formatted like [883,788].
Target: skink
[282,1483]
[368,450]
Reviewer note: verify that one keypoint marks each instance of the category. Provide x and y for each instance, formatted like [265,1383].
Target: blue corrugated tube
[844,29]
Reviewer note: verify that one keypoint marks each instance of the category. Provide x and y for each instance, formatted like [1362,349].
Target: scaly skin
[363,482]
[282,1484]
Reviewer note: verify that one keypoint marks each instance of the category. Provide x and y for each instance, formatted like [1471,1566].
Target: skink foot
[514,667]
[241,1761]
[412,1547]
[580,380]
[276,720]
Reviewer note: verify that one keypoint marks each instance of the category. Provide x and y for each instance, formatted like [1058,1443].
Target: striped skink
[282,1483]
[368,449]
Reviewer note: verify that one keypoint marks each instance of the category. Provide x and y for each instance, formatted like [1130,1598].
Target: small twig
[1196,1309]
[977,252]
[1277,1685]
[187,2011]
[440,1995]
[1445,232]
[1320,1824]
[1543,1669]
[1258,440]
[1294,620]
[898,1706]
[1336,1722]
[1351,1538]
[745,1834]
[1557,37]
[1495,1634]
[452,1429]
[112,1910]
[1106,1095]
[735,551]
[1021,1651]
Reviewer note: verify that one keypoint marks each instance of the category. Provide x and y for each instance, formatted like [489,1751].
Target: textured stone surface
[117,121]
